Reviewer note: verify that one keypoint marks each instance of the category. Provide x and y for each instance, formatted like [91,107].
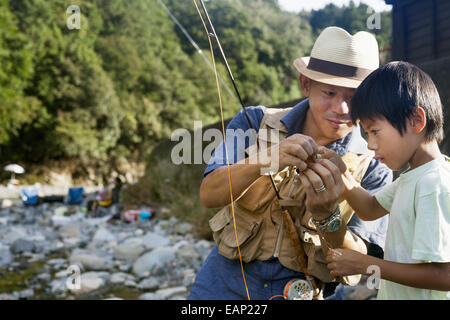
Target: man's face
[329,109]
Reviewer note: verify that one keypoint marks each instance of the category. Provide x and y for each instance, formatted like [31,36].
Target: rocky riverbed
[53,251]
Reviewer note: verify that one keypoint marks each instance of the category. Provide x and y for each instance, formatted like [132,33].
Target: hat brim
[301,64]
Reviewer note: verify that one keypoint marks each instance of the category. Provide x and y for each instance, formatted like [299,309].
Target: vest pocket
[247,227]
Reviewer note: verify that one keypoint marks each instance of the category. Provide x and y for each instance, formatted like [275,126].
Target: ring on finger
[321,189]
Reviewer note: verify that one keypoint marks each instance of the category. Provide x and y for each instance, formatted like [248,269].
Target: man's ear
[305,85]
[418,119]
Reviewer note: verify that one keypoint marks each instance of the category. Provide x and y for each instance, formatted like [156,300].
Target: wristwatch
[330,224]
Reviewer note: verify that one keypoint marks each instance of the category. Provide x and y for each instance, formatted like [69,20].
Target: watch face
[334,225]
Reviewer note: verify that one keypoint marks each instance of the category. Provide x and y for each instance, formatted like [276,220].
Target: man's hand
[324,186]
[345,262]
[296,150]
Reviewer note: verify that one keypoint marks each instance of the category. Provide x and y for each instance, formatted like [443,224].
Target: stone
[150,296]
[152,260]
[91,261]
[151,283]
[152,240]
[128,252]
[103,235]
[171,292]
[183,228]
[22,245]
[5,257]
[120,277]
[70,233]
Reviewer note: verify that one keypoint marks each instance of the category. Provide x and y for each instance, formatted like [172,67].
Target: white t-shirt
[419,224]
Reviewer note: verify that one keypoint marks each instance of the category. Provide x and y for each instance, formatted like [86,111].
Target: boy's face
[329,109]
[389,146]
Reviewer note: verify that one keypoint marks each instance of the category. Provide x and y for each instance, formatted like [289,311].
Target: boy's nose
[371,145]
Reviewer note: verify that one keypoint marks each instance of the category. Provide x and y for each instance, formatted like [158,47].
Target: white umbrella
[14,169]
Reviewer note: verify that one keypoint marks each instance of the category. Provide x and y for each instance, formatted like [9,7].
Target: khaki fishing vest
[259,223]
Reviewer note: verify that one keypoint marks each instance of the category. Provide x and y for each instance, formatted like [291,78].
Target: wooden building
[421,35]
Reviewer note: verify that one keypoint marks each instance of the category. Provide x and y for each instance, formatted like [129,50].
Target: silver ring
[318,156]
[321,189]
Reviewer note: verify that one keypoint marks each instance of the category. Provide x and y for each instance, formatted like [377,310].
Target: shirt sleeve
[377,177]
[432,227]
[239,137]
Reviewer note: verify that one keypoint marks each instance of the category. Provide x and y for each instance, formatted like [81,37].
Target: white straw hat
[340,59]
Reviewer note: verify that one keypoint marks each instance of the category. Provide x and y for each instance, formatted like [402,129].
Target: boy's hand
[345,262]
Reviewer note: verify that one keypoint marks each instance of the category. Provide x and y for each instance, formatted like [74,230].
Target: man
[339,62]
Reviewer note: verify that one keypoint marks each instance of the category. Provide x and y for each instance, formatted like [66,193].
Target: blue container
[145,215]
[75,195]
[29,196]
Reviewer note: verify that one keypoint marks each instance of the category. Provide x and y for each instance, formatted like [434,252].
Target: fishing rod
[194,44]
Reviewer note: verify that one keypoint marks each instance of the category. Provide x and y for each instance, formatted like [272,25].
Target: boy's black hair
[394,91]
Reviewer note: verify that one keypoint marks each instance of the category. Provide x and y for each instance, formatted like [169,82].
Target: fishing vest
[259,223]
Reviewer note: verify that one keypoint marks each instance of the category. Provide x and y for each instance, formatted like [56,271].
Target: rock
[6,296]
[24,294]
[6,203]
[120,277]
[188,277]
[151,283]
[58,286]
[92,260]
[103,235]
[128,252]
[152,241]
[5,257]
[150,296]
[92,281]
[22,245]
[44,277]
[70,233]
[171,292]
[153,260]
[183,228]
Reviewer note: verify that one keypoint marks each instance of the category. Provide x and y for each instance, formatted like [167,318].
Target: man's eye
[329,93]
[374,132]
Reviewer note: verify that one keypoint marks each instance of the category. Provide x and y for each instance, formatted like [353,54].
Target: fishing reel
[298,289]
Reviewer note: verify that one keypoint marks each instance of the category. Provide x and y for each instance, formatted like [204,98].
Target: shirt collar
[353,142]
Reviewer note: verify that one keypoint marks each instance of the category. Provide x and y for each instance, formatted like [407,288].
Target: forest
[128,77]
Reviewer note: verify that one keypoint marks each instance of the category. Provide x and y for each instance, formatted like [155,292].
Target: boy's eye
[374,132]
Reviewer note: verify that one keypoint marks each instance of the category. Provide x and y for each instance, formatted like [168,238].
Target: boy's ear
[418,119]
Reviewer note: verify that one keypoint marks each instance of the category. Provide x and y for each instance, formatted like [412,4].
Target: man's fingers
[332,168]
[325,175]
[314,178]
[297,151]
[295,161]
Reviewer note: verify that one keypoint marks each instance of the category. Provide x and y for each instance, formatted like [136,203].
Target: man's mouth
[337,123]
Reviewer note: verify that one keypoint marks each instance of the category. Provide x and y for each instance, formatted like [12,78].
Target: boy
[399,107]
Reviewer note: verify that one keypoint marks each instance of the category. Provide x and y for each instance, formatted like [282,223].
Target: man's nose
[342,107]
